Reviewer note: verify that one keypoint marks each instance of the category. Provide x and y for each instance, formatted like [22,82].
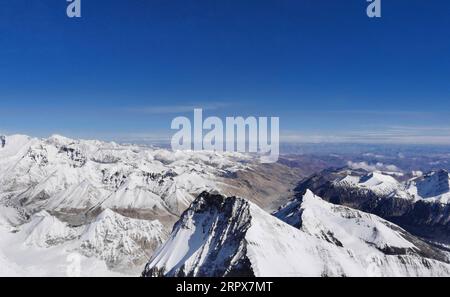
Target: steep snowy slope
[220,236]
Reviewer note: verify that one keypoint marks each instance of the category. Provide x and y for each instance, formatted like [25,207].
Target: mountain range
[123,207]
[113,202]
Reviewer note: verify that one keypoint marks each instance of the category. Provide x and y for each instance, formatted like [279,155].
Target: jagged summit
[211,200]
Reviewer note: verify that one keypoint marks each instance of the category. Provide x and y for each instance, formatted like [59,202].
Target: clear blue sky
[127,67]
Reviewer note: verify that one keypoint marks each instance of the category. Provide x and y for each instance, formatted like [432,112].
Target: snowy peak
[214,203]
[206,241]
[376,182]
[220,236]
[434,186]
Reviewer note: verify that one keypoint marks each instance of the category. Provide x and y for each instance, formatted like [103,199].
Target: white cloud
[372,167]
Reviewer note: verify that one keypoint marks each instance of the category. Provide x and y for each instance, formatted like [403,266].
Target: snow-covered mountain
[113,206]
[219,236]
[433,187]
[375,182]
[110,202]
[419,204]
